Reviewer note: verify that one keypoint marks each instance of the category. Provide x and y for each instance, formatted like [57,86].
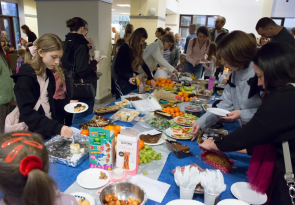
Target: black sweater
[123,64]
[274,122]
[31,37]
[27,92]
[77,53]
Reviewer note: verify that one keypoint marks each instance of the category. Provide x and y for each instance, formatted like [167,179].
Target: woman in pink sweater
[196,50]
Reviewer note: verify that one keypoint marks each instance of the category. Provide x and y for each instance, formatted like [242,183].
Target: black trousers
[123,87]
[61,115]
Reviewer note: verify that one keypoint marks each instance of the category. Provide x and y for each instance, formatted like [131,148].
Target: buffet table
[65,176]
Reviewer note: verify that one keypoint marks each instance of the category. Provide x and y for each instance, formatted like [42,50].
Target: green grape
[149,160]
[145,161]
[145,173]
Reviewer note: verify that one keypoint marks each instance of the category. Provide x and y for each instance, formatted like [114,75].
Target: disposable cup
[186,193]
[210,198]
[96,53]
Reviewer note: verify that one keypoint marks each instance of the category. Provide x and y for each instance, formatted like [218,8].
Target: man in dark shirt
[266,27]
[192,31]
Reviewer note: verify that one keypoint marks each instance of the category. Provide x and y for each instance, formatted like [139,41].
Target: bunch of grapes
[147,154]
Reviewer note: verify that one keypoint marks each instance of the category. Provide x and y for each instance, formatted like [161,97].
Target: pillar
[140,17]
[267,8]
[52,17]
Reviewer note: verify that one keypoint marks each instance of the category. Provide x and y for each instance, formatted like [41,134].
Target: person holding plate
[272,124]
[240,95]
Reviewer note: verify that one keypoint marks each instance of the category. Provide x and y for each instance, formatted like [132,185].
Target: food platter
[186,120]
[161,140]
[179,132]
[70,108]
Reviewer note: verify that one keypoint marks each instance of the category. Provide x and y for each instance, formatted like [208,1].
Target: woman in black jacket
[76,56]
[273,123]
[27,88]
[31,35]
[129,58]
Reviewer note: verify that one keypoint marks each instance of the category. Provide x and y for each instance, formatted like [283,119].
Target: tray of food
[124,103]
[96,121]
[179,132]
[62,150]
[195,110]
[134,97]
[178,149]
[211,134]
[149,139]
[159,123]
[76,107]
[107,110]
[218,161]
[186,119]
[206,106]
[126,115]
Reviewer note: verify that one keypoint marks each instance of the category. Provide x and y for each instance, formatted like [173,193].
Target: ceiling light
[125,13]
[123,5]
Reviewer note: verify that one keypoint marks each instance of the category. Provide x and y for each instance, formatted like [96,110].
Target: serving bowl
[123,191]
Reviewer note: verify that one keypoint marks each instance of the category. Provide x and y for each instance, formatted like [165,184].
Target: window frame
[13,40]
[190,15]
[280,18]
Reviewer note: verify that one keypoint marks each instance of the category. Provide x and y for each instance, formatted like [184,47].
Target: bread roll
[86,202]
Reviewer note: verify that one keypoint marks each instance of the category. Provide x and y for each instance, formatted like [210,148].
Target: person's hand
[132,81]
[180,47]
[208,145]
[175,72]
[98,59]
[198,62]
[194,131]
[224,81]
[74,101]
[234,115]
[153,83]
[66,131]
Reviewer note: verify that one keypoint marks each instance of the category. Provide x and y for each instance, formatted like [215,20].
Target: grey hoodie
[236,96]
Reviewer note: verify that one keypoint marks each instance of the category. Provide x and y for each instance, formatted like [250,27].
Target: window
[289,23]
[199,20]
[9,22]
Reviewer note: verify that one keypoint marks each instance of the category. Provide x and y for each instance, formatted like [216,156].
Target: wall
[98,16]
[172,5]
[281,8]
[240,15]
[172,21]
[31,15]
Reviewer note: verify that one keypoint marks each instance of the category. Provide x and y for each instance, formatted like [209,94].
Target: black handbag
[78,87]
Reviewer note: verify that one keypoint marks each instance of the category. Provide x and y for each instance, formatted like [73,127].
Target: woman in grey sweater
[241,94]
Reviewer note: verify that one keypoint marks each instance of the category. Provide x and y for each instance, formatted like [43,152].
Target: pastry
[218,159]
[75,148]
[103,176]
[86,202]
[79,108]
[180,147]
[152,139]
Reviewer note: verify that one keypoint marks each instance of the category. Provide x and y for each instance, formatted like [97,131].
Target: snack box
[163,114]
[127,153]
[178,154]
[101,148]
[142,96]
[222,168]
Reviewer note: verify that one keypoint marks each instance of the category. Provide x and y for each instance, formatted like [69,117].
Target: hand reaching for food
[66,131]
[208,145]
[194,131]
[153,83]
[234,115]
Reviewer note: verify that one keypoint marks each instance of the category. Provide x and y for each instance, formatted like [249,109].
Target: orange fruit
[174,115]
[160,79]
[155,79]
[84,132]
[177,109]
[157,83]
[168,81]
[181,113]
[164,80]
[177,114]
[116,133]
[173,84]
[118,128]
[185,95]
[148,82]
[180,93]
[172,111]
[186,99]
[141,144]
[110,128]
[191,98]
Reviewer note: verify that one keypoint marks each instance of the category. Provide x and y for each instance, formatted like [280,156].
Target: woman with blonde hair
[129,29]
[35,83]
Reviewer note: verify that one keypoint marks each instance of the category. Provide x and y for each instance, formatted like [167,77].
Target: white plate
[161,140]
[169,132]
[218,111]
[87,197]
[181,124]
[243,192]
[232,202]
[208,105]
[70,107]
[186,202]
[89,179]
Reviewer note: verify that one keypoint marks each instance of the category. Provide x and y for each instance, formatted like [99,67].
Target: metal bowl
[123,191]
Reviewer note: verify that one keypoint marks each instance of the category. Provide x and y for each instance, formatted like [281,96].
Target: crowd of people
[52,73]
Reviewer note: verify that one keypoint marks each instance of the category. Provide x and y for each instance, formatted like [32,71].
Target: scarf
[260,172]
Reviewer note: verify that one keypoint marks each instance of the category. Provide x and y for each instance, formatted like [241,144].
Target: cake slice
[180,147]
[152,139]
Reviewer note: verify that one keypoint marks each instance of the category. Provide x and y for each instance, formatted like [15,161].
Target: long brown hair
[237,49]
[128,30]
[35,189]
[136,47]
[47,43]
[212,51]
[26,28]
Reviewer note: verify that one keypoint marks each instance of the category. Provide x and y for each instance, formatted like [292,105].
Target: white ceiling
[119,10]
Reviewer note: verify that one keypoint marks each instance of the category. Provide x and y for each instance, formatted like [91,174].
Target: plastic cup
[210,198]
[96,53]
[186,193]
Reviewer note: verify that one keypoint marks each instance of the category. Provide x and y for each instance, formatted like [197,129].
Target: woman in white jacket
[153,53]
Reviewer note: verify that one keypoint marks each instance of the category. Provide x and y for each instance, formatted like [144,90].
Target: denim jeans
[197,70]
[79,116]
